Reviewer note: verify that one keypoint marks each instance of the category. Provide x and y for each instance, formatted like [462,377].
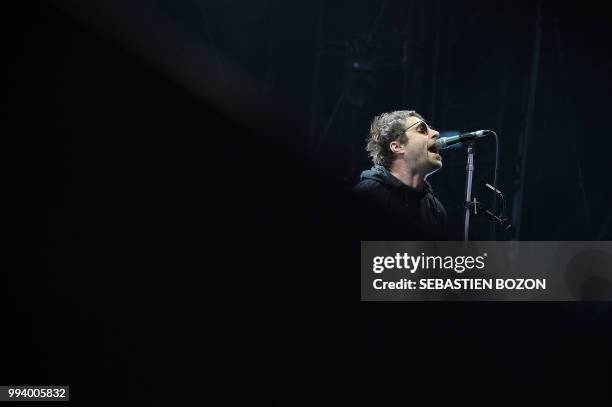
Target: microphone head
[447,140]
[456,146]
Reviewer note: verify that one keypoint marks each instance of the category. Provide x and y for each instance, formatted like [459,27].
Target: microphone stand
[476,206]
[468,188]
[501,218]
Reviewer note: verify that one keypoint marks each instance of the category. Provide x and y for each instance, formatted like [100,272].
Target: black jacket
[396,211]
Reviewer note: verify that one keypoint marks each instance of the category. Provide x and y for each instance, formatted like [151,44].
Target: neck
[407,175]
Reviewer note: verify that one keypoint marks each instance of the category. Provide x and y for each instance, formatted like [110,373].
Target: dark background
[181,178]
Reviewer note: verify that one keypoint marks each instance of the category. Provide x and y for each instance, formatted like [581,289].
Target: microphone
[446,142]
[497,191]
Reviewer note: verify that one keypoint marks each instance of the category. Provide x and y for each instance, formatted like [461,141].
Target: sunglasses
[421,126]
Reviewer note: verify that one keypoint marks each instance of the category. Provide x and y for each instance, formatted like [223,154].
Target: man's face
[419,149]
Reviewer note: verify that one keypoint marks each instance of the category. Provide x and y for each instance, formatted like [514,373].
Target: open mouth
[434,150]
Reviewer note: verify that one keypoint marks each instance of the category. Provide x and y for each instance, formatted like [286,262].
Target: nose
[435,134]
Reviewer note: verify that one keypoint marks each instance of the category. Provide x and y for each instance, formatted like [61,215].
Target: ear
[396,147]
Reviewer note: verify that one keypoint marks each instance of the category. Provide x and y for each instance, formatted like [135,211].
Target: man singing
[399,200]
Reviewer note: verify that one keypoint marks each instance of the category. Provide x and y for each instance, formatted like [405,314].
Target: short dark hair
[384,129]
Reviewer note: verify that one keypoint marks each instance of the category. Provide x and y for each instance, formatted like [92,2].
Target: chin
[435,164]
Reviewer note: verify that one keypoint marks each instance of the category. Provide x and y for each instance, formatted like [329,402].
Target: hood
[380,174]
